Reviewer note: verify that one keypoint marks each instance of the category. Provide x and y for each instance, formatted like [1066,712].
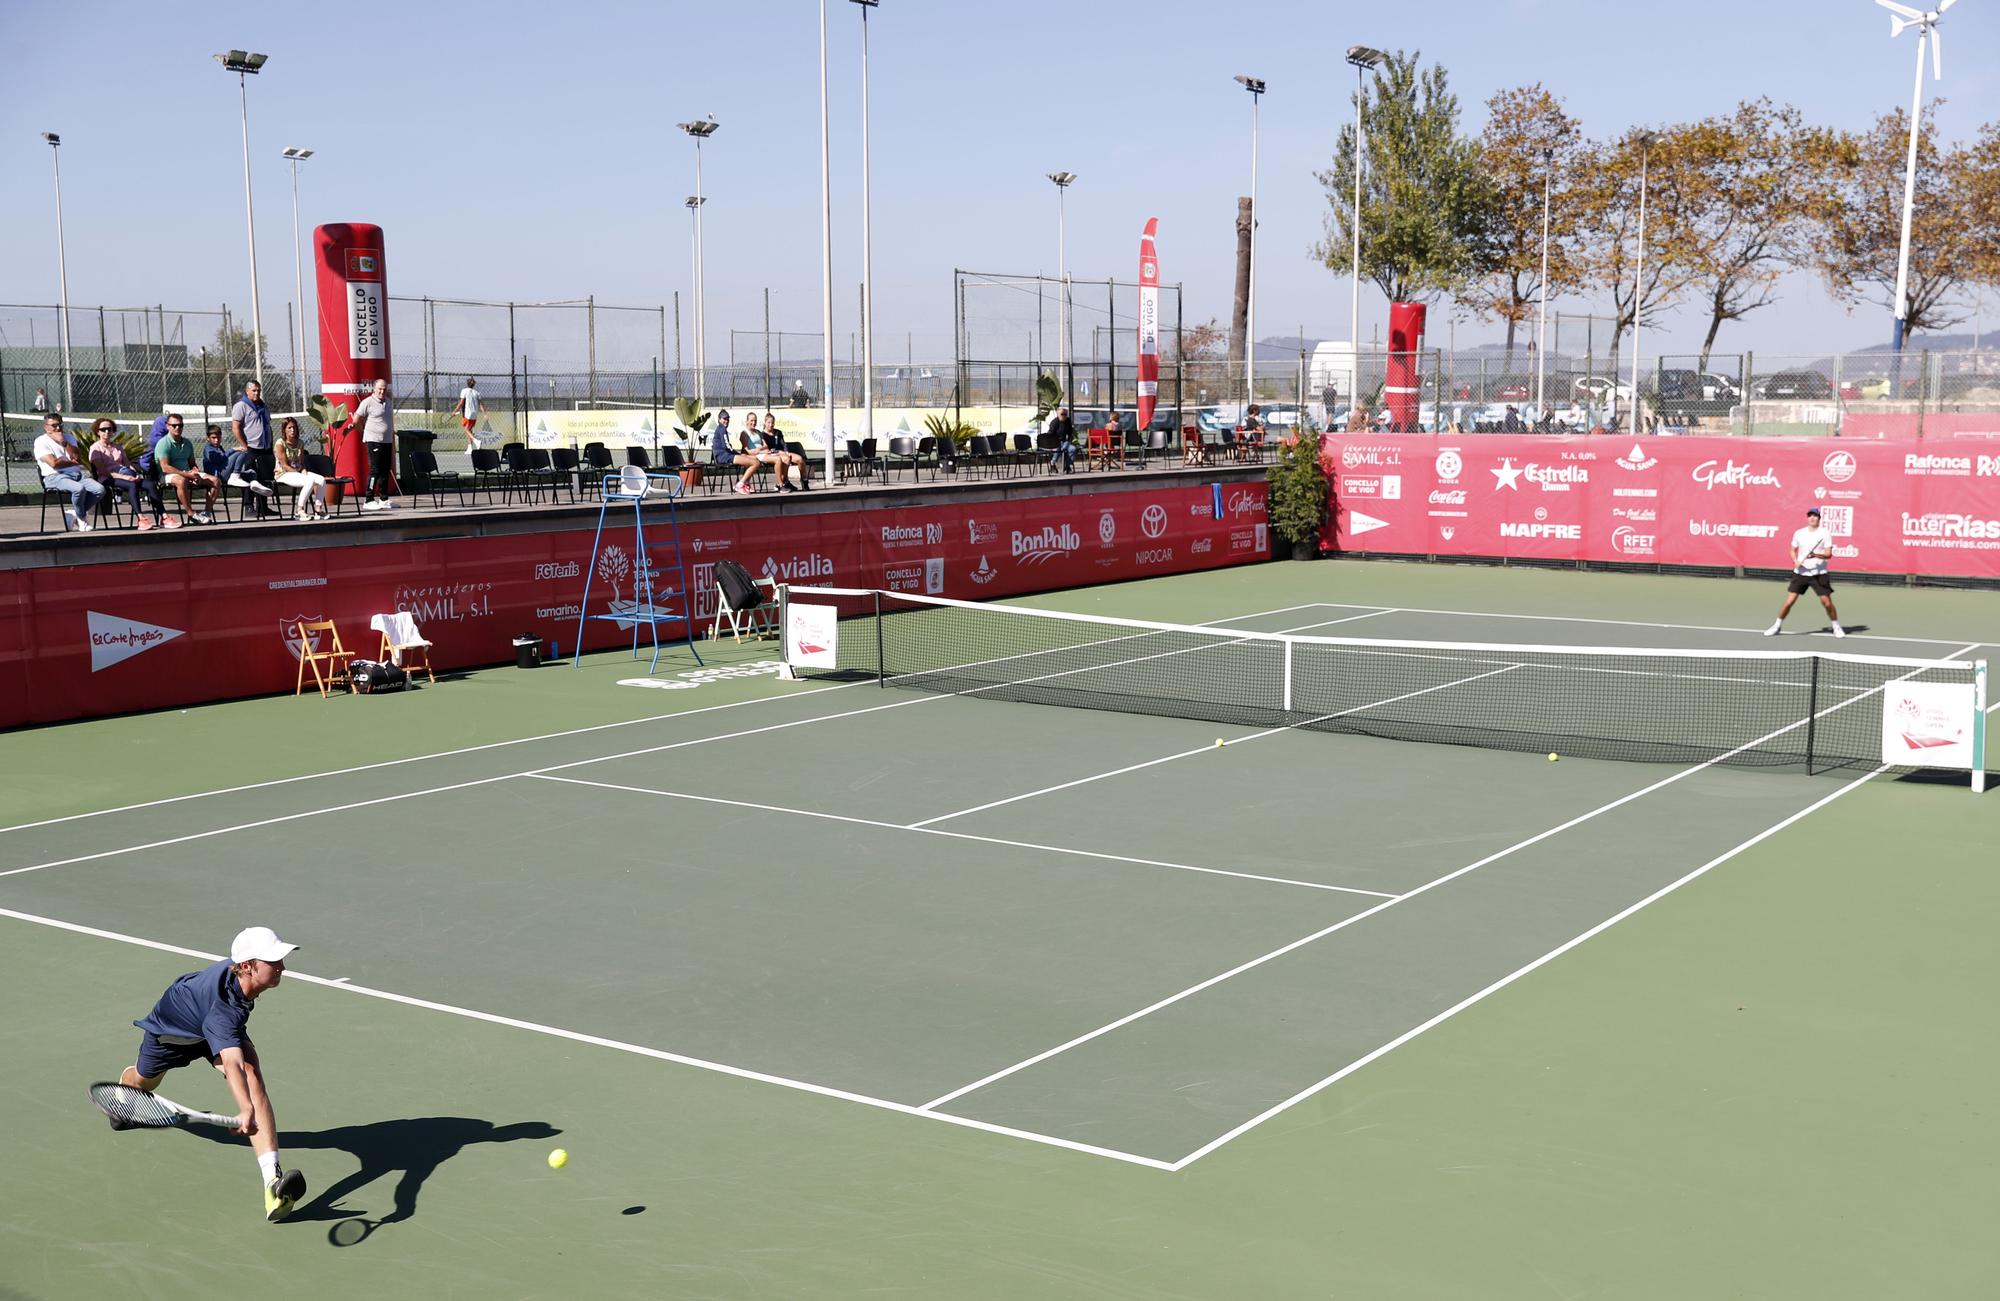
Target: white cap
[257,943]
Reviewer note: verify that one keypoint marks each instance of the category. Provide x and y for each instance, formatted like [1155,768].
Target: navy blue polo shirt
[208,1005]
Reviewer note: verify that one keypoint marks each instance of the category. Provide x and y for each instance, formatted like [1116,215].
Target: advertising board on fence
[96,639]
[1929,507]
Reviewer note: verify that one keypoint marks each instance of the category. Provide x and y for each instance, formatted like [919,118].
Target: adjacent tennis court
[829,988]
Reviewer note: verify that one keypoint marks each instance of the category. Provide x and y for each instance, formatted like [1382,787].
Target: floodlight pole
[1542,312]
[1910,195]
[1255,86]
[62,268]
[244,65]
[825,259]
[699,131]
[1063,180]
[296,156]
[867,252]
[1646,141]
[1363,58]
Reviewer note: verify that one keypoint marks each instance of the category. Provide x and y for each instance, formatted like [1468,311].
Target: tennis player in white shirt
[1812,548]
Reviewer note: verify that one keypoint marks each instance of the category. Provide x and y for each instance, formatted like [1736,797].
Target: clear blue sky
[528,151]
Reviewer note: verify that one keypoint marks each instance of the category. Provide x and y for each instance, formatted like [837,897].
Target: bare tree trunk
[1239,317]
[1714,325]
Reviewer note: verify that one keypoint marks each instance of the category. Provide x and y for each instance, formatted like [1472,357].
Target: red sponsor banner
[99,639]
[1149,324]
[1930,508]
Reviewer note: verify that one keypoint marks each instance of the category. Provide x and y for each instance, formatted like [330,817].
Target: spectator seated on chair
[62,471]
[115,470]
[784,460]
[1063,442]
[233,468]
[290,456]
[721,452]
[179,464]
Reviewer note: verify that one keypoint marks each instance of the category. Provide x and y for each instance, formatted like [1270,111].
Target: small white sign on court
[1929,724]
[812,635]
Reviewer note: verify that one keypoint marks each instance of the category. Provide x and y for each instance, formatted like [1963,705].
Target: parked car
[1598,390]
[1795,386]
[1720,388]
[1854,389]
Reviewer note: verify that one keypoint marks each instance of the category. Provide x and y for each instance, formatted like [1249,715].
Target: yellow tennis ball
[1552,756]
[1218,743]
[558,1159]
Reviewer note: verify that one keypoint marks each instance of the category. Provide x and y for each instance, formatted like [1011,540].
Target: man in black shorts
[1812,549]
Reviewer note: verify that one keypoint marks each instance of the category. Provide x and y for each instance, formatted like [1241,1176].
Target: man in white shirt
[63,472]
[1812,549]
[377,421]
[467,409]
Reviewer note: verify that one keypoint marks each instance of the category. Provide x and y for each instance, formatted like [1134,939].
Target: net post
[881,669]
[786,673]
[1812,712]
[1288,676]
[1978,727]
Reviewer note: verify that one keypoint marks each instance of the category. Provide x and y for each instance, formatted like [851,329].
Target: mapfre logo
[1048,543]
[1839,467]
[1636,459]
[1153,520]
[1449,466]
[1565,532]
[113,639]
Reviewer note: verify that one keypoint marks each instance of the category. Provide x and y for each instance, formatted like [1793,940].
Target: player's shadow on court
[413,1148]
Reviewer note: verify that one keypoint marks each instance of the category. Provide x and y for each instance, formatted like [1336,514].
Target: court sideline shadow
[415,1146]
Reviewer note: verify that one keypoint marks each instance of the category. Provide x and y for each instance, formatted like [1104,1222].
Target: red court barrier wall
[100,639]
[1894,506]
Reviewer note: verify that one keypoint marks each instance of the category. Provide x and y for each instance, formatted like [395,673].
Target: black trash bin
[527,651]
[407,441]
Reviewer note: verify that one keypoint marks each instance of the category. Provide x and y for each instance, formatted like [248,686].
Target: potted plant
[688,420]
[1299,490]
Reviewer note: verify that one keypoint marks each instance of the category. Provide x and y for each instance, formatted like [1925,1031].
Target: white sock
[267,1166]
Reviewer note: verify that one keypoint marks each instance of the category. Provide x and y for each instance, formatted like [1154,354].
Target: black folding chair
[321,464]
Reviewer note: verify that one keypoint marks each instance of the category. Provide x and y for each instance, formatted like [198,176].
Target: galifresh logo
[1734,474]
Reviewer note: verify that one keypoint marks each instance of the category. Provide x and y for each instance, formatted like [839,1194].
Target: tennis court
[832,990]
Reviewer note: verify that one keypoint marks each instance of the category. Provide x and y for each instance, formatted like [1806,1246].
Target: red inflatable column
[1404,386]
[353,329]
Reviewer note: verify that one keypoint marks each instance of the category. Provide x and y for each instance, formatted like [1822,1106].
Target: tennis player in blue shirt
[205,1016]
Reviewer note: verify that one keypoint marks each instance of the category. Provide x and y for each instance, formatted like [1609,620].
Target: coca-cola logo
[1447,496]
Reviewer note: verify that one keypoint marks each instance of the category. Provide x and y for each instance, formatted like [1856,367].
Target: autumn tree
[1750,185]
[1857,220]
[1610,211]
[1529,141]
[1424,199]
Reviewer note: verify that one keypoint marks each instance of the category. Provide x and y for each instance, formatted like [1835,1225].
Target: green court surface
[832,991]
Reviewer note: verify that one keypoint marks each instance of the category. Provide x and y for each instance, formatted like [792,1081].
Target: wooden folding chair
[329,655]
[402,644]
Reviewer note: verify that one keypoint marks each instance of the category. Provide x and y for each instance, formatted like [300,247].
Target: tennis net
[1816,712]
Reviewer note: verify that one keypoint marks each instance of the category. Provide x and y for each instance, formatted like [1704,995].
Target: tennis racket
[127,1106]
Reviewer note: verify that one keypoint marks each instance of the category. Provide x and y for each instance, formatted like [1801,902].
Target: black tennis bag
[738,588]
[372,676]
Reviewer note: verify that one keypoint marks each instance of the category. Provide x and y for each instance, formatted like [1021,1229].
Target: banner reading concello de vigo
[1929,507]
[99,639]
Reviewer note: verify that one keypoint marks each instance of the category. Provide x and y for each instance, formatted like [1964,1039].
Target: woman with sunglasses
[292,472]
[112,467]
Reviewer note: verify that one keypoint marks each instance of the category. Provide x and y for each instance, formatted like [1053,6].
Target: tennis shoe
[1839,631]
[282,1194]
[1772,631]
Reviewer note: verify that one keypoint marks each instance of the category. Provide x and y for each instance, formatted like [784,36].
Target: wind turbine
[1902,18]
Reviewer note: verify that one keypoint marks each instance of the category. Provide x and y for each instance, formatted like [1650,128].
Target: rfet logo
[1107,528]
[1153,520]
[1449,466]
[113,639]
[1839,467]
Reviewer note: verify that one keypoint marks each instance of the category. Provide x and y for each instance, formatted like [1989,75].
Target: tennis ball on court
[1218,743]
[1552,756]
[558,1159]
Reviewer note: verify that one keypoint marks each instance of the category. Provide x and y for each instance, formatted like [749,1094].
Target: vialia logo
[811,565]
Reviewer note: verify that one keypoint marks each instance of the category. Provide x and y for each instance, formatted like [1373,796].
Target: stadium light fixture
[825,259]
[1902,18]
[699,131]
[62,268]
[1255,85]
[295,155]
[867,249]
[246,65]
[1362,57]
[1063,180]
[1542,307]
[1645,140]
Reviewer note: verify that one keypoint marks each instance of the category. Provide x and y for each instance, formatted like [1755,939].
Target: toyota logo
[1153,520]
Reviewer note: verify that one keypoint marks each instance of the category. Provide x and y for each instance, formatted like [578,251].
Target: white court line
[960,835]
[1343,924]
[1625,623]
[639,1050]
[1513,976]
[525,740]
[1254,736]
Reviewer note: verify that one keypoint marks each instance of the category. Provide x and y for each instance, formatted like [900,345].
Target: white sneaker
[1839,631]
[387,504]
[1772,631]
[258,488]
[202,517]
[70,518]
[238,481]
[371,505]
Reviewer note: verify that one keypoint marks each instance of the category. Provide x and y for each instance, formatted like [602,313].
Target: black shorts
[1820,583]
